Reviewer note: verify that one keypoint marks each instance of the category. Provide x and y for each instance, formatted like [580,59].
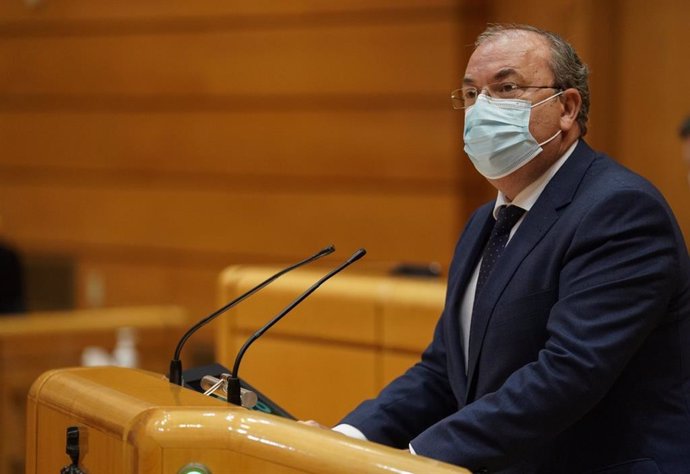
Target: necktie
[507,218]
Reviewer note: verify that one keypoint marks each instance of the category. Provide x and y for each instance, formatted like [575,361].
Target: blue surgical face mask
[497,136]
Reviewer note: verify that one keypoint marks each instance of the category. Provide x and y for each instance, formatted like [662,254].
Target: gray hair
[568,70]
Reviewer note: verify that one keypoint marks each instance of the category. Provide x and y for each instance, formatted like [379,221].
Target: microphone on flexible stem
[234,385]
[176,364]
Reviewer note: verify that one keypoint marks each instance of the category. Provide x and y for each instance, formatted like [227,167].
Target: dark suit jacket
[579,357]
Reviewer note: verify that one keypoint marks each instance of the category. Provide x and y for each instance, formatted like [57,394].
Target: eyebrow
[499,76]
[505,72]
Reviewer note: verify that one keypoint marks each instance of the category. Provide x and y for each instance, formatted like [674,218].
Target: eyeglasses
[467,96]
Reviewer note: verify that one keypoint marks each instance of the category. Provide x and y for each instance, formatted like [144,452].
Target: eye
[506,88]
[469,93]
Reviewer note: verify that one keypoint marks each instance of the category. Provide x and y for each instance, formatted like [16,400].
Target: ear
[571,103]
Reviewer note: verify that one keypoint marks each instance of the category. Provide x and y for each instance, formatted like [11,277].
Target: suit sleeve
[617,277]
[408,405]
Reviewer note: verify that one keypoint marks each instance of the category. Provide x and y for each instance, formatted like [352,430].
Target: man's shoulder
[602,176]
[608,177]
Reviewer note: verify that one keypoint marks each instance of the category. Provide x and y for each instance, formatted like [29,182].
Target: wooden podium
[133,421]
[34,343]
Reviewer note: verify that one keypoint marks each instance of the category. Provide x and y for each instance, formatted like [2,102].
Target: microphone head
[327,250]
[357,255]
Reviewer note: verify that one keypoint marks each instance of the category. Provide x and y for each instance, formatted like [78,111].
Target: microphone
[176,364]
[234,385]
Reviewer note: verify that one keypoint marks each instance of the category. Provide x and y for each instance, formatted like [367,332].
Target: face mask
[497,136]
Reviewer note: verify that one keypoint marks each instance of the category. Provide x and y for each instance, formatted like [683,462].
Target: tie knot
[507,217]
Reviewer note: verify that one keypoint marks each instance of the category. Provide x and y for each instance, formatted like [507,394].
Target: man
[685,137]
[567,351]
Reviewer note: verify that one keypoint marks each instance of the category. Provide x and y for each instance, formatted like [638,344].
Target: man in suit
[566,350]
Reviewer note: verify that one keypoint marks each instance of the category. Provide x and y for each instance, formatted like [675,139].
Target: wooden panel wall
[653,96]
[157,142]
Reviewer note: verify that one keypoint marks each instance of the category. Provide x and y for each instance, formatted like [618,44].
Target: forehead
[512,55]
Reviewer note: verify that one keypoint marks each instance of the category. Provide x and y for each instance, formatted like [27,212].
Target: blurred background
[147,145]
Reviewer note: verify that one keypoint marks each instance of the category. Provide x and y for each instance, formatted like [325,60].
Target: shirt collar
[528,196]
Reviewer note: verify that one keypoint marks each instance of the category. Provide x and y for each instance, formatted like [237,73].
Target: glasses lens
[463,98]
[505,90]
[456,99]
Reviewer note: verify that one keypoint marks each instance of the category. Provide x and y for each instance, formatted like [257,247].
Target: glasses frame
[457,95]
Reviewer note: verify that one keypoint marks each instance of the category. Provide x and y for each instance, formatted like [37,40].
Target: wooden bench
[340,346]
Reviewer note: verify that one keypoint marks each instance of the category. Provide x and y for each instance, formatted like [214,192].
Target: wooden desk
[340,346]
[132,421]
[33,343]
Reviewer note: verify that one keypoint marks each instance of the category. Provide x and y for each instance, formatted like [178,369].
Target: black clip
[72,450]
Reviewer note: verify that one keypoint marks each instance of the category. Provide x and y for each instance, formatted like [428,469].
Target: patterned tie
[507,217]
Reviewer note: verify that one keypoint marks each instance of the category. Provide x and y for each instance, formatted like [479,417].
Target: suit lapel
[465,260]
[557,194]
[526,237]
